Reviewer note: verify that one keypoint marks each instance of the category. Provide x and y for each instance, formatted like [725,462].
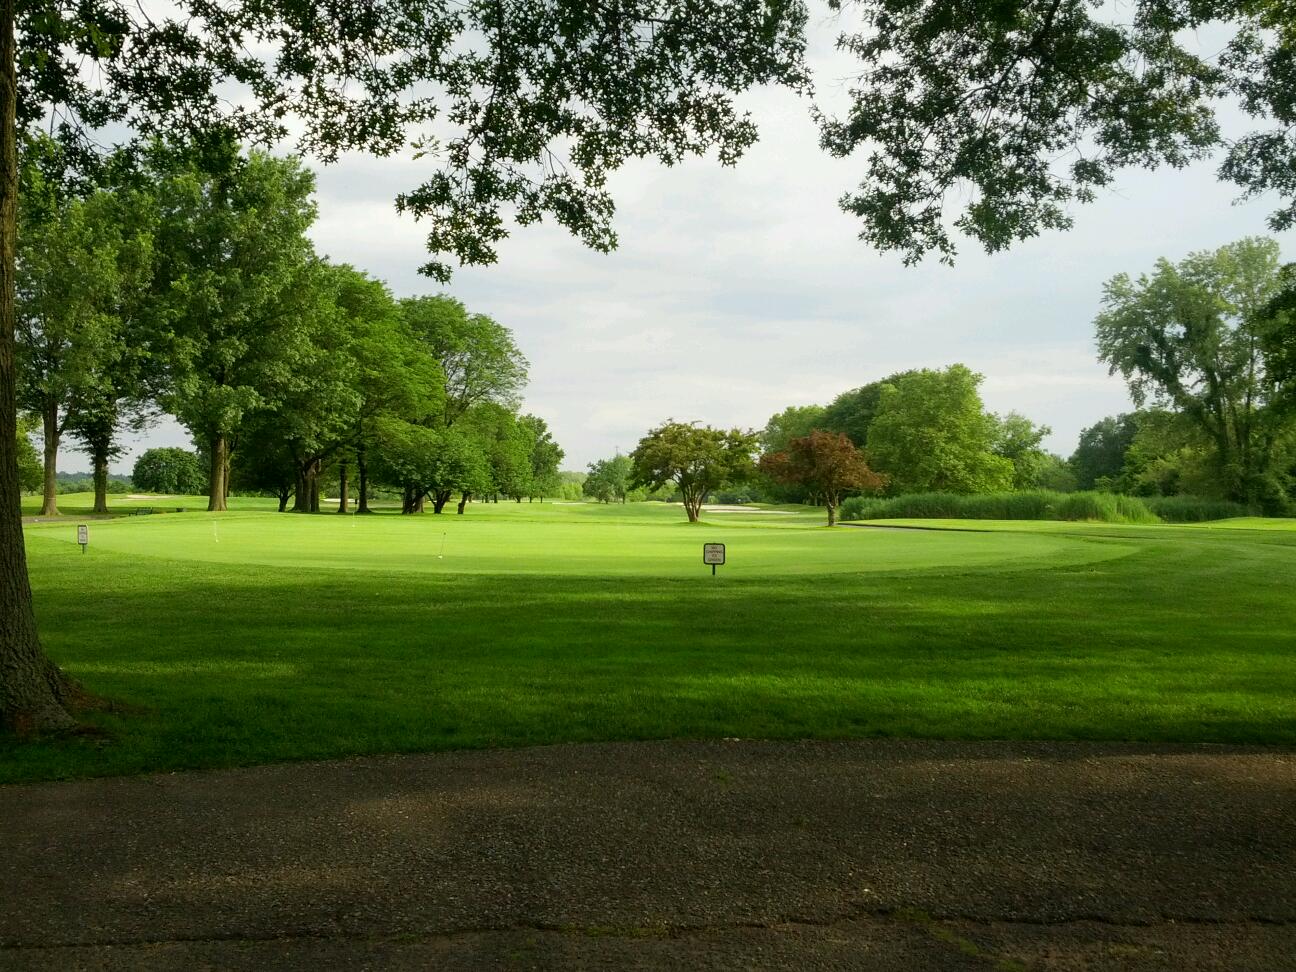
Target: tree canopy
[169,471]
[1191,336]
[932,434]
[1021,110]
[697,459]
[827,464]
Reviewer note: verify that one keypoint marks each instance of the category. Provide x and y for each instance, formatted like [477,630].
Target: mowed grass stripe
[1180,634]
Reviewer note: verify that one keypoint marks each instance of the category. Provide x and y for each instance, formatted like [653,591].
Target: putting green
[644,540]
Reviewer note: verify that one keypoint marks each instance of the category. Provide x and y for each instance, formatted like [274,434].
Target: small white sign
[713,553]
[83,534]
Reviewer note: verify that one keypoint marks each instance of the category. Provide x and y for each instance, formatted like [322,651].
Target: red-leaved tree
[827,464]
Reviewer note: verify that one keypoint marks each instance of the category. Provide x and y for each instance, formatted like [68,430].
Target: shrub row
[1036,505]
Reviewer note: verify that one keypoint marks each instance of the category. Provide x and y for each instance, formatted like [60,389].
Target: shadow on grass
[234,665]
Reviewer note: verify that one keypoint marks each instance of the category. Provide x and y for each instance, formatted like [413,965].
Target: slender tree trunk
[301,489]
[420,503]
[362,467]
[832,513]
[343,499]
[217,491]
[284,493]
[410,502]
[315,485]
[49,504]
[463,501]
[34,694]
[100,459]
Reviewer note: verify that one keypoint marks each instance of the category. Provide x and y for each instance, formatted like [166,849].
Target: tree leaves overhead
[986,118]
[990,118]
[522,107]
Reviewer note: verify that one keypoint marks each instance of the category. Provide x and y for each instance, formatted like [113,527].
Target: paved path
[860,855]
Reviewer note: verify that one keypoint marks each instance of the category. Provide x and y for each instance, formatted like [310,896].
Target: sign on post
[83,535]
[713,554]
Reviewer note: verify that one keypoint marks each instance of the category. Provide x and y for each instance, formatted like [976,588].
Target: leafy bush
[1194,509]
[739,495]
[1034,505]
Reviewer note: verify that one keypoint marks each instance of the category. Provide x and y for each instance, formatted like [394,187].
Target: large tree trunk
[100,459]
[362,467]
[439,501]
[217,491]
[463,501]
[307,498]
[832,513]
[343,498]
[409,501]
[420,503]
[34,694]
[285,493]
[49,505]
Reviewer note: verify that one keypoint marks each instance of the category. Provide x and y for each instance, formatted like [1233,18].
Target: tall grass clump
[1034,505]
[1104,508]
[1194,509]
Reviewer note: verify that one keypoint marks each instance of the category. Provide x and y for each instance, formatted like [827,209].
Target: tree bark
[284,494]
[34,694]
[49,502]
[362,467]
[420,503]
[463,501]
[832,513]
[692,504]
[439,501]
[300,502]
[307,498]
[100,458]
[343,499]
[216,491]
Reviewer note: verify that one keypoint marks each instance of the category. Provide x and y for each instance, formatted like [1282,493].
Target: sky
[738,291]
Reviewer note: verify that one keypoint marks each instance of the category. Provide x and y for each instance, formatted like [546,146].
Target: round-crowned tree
[171,471]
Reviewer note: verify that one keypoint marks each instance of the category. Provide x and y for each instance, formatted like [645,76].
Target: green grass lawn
[254,636]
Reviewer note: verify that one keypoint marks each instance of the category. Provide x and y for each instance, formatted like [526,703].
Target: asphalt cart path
[667,855]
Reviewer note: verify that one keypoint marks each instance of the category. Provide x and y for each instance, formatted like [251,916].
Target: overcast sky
[737,292]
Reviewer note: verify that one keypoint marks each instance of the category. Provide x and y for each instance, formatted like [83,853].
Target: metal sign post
[713,554]
[83,535]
